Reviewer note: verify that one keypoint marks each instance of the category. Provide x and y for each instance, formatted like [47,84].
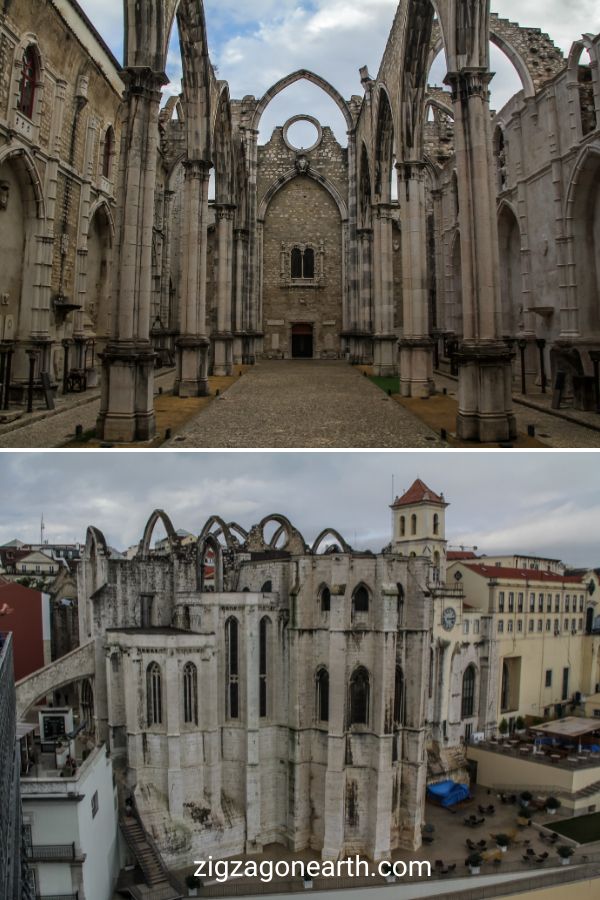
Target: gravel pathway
[305,404]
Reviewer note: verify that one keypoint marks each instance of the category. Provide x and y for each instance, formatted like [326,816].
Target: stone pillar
[209,719]
[485,376]
[253,323]
[385,340]
[335,778]
[223,364]
[253,802]
[127,402]
[416,346]
[241,276]
[365,299]
[193,343]
[171,682]
[353,269]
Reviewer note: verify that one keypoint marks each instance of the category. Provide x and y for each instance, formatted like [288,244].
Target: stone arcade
[116,249]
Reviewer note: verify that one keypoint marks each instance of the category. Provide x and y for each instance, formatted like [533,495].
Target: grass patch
[583,829]
[387,384]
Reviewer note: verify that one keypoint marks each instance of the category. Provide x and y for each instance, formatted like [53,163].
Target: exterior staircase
[159,884]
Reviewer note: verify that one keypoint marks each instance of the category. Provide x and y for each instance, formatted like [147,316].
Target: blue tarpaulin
[448,793]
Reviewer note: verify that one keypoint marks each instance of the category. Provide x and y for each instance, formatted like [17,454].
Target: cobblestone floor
[299,404]
[305,404]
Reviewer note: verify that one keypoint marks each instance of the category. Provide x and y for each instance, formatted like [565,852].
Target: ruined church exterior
[439,236]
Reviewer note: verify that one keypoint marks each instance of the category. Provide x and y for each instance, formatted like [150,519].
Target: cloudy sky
[256,43]
[546,503]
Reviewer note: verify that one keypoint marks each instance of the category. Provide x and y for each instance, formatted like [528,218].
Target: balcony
[74,896]
[51,852]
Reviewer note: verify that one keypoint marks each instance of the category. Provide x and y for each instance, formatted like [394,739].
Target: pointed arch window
[28,83]
[303,263]
[399,697]
[190,694]
[413,524]
[108,151]
[360,600]
[154,694]
[322,695]
[232,665]
[402,526]
[436,524]
[325,599]
[264,633]
[468,693]
[359,697]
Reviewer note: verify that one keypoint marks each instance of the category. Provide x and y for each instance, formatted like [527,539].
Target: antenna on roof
[42,530]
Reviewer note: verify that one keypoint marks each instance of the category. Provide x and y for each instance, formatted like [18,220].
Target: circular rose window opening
[302,133]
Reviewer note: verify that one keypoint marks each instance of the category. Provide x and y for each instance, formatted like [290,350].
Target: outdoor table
[555,757]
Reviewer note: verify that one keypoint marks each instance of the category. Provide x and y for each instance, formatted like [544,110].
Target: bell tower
[419,526]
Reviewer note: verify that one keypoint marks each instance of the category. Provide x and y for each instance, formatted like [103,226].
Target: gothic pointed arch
[223,151]
[210,564]
[582,229]
[384,146]
[95,543]
[158,515]
[509,242]
[316,176]
[257,540]
[330,532]
[302,75]
[221,530]
[365,189]
[29,177]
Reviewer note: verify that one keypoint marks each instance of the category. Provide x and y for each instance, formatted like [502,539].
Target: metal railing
[43,852]
[74,896]
[504,749]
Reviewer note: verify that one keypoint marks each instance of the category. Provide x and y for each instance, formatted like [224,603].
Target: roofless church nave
[437,233]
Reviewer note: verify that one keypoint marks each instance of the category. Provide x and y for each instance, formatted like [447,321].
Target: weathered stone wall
[302,213]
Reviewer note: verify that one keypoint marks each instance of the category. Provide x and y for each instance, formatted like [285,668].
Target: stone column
[193,343]
[351,294]
[253,801]
[127,403]
[166,313]
[335,778]
[171,682]
[241,276]
[365,299]
[253,324]
[385,340]
[484,395]
[416,346]
[223,364]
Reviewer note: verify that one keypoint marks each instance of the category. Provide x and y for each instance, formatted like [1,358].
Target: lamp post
[541,344]
[522,345]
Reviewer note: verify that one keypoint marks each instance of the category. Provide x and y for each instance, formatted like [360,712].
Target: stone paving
[550,429]
[305,404]
[299,404]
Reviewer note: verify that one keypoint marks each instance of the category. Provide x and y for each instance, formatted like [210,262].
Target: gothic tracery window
[27,85]
[154,694]
[190,694]
[303,263]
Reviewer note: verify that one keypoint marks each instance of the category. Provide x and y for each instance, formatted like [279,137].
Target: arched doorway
[302,341]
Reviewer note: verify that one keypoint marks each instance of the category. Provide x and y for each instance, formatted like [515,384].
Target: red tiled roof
[460,554]
[522,574]
[418,493]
